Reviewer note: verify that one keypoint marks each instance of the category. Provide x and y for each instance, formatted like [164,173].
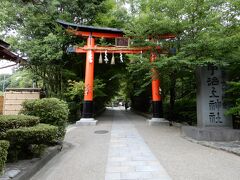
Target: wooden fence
[13,100]
[1,104]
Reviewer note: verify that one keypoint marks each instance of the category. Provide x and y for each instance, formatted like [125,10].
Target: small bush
[75,111]
[3,154]
[50,110]
[40,134]
[185,110]
[16,121]
[26,141]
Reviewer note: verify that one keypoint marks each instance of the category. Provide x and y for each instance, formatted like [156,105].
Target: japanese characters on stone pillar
[210,92]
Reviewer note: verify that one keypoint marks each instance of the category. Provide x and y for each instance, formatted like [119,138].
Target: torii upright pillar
[157,109]
[87,116]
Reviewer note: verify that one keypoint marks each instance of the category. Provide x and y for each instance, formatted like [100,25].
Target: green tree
[4,81]
[43,41]
[207,32]
[22,79]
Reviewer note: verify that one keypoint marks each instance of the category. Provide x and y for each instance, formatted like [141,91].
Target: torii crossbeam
[91,48]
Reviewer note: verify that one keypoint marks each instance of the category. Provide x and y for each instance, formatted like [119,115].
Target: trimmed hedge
[27,142]
[3,154]
[39,134]
[27,138]
[50,110]
[17,121]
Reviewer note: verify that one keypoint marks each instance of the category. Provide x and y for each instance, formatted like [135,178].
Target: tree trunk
[172,96]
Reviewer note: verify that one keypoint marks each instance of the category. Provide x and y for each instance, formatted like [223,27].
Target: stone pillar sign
[210,106]
[212,124]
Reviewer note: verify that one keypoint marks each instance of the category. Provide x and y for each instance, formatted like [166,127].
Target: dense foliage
[50,111]
[17,121]
[3,154]
[23,139]
[233,99]
[184,111]
[44,43]
[4,82]
[39,134]
[207,32]
[26,136]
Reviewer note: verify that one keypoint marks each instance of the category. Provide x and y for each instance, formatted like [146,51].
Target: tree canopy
[207,32]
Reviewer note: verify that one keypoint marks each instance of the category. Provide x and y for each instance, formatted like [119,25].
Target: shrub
[3,154]
[74,111]
[50,110]
[232,99]
[16,121]
[25,142]
[185,110]
[39,134]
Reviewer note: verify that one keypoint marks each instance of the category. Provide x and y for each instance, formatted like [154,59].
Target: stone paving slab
[129,157]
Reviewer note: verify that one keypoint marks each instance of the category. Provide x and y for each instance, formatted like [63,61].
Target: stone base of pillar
[157,121]
[157,109]
[87,122]
[87,109]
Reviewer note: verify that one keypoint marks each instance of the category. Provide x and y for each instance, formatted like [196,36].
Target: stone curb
[52,151]
[38,165]
[211,144]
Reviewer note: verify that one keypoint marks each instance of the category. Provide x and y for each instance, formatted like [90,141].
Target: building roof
[79,27]
[6,54]
[4,44]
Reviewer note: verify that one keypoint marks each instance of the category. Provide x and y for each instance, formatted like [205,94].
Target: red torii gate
[91,48]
